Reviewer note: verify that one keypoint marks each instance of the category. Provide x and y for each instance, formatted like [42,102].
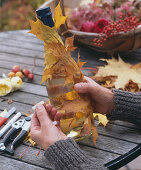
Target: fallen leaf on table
[10,101]
[120,74]
[102,119]
[28,139]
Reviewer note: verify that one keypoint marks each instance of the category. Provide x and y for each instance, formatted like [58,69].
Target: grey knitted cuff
[65,154]
[127,107]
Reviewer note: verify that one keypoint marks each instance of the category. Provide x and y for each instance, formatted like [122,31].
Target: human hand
[102,98]
[43,131]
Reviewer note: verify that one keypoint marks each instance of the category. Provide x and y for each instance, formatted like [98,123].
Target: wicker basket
[123,42]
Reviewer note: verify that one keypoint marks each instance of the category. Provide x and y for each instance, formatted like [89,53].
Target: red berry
[15,69]
[25,72]
[31,76]
[87,26]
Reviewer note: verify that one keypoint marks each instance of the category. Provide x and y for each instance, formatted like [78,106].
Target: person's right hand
[102,98]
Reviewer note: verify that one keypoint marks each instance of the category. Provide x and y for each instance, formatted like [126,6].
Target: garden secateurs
[22,127]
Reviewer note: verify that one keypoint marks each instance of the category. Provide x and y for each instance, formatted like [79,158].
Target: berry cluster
[123,24]
[16,71]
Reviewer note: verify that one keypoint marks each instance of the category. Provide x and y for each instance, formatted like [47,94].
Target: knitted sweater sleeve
[67,155]
[127,107]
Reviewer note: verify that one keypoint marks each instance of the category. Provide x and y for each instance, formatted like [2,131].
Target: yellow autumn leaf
[58,17]
[40,30]
[28,139]
[101,118]
[36,29]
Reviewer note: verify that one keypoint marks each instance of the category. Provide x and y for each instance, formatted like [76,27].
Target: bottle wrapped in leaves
[61,73]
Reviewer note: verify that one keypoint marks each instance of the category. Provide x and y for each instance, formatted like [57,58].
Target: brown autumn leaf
[10,101]
[79,63]
[124,72]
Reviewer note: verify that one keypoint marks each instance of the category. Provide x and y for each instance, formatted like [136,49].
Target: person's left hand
[43,131]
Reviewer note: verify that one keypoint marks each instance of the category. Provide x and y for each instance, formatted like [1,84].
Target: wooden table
[20,48]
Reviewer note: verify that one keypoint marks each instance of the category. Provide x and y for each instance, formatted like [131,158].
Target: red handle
[3,120]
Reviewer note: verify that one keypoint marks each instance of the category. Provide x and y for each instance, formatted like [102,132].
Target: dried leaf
[101,118]
[28,139]
[40,30]
[69,44]
[58,17]
[10,101]
[86,130]
[136,66]
[94,131]
[64,124]
[79,63]
[121,70]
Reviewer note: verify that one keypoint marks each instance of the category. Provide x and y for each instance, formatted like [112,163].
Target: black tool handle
[124,159]
[18,139]
[9,135]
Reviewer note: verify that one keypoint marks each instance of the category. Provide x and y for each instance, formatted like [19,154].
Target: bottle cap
[45,15]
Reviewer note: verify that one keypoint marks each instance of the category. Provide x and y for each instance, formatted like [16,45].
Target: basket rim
[78,33]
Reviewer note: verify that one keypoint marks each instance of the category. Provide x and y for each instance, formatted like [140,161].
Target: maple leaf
[123,72]
[58,17]
[35,28]
[79,63]
[101,118]
[44,32]
[69,44]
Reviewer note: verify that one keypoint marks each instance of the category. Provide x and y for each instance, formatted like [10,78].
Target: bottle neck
[45,15]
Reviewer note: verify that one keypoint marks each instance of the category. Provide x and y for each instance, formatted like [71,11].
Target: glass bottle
[60,91]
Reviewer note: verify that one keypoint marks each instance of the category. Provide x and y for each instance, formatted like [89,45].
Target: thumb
[42,115]
[83,87]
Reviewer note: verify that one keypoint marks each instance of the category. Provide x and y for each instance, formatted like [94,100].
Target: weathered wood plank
[11,164]
[20,51]
[25,98]
[21,37]
[110,144]
[22,60]
[20,44]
